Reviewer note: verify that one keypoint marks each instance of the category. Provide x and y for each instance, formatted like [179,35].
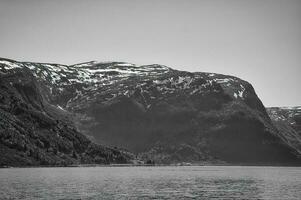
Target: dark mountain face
[33,132]
[160,113]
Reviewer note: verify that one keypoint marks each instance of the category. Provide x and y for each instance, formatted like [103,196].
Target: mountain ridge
[164,114]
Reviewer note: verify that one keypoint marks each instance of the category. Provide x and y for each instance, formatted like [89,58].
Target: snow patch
[9,65]
[60,107]
[125,64]
[223,80]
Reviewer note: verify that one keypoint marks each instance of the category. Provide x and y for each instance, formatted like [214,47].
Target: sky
[256,40]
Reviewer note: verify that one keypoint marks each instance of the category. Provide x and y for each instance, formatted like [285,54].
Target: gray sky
[259,41]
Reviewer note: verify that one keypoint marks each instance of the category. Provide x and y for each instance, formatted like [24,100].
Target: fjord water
[169,182]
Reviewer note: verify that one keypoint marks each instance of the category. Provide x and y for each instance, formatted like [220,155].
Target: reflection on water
[191,182]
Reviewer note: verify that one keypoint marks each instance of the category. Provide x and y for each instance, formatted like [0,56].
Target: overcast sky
[259,41]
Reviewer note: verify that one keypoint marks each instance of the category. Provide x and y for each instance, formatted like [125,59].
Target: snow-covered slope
[91,80]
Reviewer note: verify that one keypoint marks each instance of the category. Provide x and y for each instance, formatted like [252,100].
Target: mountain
[289,115]
[34,132]
[160,113]
[288,121]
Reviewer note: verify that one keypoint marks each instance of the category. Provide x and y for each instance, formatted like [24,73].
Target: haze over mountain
[158,113]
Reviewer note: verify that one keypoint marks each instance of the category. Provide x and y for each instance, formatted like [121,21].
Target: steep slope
[164,114]
[33,132]
[288,122]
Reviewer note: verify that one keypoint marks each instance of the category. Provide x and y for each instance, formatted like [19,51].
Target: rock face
[34,132]
[162,114]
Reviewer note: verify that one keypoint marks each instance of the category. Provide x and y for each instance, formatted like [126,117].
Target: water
[185,182]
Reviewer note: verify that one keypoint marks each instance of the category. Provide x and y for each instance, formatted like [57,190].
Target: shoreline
[150,165]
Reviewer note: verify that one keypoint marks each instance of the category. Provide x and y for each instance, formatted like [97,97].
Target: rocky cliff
[161,114]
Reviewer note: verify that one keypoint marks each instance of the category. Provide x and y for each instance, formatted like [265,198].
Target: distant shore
[152,165]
